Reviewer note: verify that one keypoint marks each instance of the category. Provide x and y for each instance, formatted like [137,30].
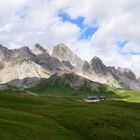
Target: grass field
[68,117]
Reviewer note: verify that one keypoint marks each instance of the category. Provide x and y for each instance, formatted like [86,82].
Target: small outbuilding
[91,99]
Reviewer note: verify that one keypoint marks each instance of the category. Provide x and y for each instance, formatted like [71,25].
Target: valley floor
[25,117]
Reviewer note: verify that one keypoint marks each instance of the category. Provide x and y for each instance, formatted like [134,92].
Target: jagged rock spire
[38,49]
[63,53]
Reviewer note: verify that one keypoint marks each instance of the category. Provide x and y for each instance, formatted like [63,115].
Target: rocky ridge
[37,62]
[63,53]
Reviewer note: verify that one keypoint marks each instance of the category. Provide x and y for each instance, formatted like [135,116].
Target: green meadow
[60,113]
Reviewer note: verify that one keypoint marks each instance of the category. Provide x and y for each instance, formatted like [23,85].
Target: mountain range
[25,66]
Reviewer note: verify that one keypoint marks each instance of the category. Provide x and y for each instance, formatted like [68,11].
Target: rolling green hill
[70,85]
[51,118]
[64,86]
[57,111]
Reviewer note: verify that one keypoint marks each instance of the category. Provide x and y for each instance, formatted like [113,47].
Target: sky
[108,29]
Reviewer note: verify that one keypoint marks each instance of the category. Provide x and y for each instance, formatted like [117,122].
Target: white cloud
[131,47]
[6,28]
[25,22]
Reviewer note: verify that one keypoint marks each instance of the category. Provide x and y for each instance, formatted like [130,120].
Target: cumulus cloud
[131,47]
[25,22]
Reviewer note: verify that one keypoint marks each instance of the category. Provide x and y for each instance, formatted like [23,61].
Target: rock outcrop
[122,77]
[38,49]
[27,63]
[63,53]
[22,63]
[5,53]
[126,73]
[97,66]
[71,80]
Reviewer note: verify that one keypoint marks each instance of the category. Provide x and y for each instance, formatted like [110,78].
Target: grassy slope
[60,114]
[52,118]
[127,95]
[59,89]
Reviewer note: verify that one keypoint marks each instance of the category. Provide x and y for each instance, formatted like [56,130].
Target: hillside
[54,109]
[69,84]
[51,118]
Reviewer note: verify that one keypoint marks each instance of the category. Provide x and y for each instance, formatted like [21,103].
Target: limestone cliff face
[74,81]
[20,63]
[97,66]
[23,62]
[122,77]
[63,53]
[37,63]
[128,78]
[127,73]
[50,62]
[38,49]
[22,70]
[22,54]
[5,53]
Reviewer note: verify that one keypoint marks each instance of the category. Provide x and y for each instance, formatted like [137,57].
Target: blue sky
[86,31]
[121,44]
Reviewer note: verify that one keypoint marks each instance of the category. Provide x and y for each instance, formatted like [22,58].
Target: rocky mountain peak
[97,65]
[38,49]
[85,66]
[24,49]
[72,80]
[21,51]
[61,49]
[96,59]
[62,46]
[22,54]
[23,62]
[139,79]
[5,53]
[63,53]
[127,73]
[2,47]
